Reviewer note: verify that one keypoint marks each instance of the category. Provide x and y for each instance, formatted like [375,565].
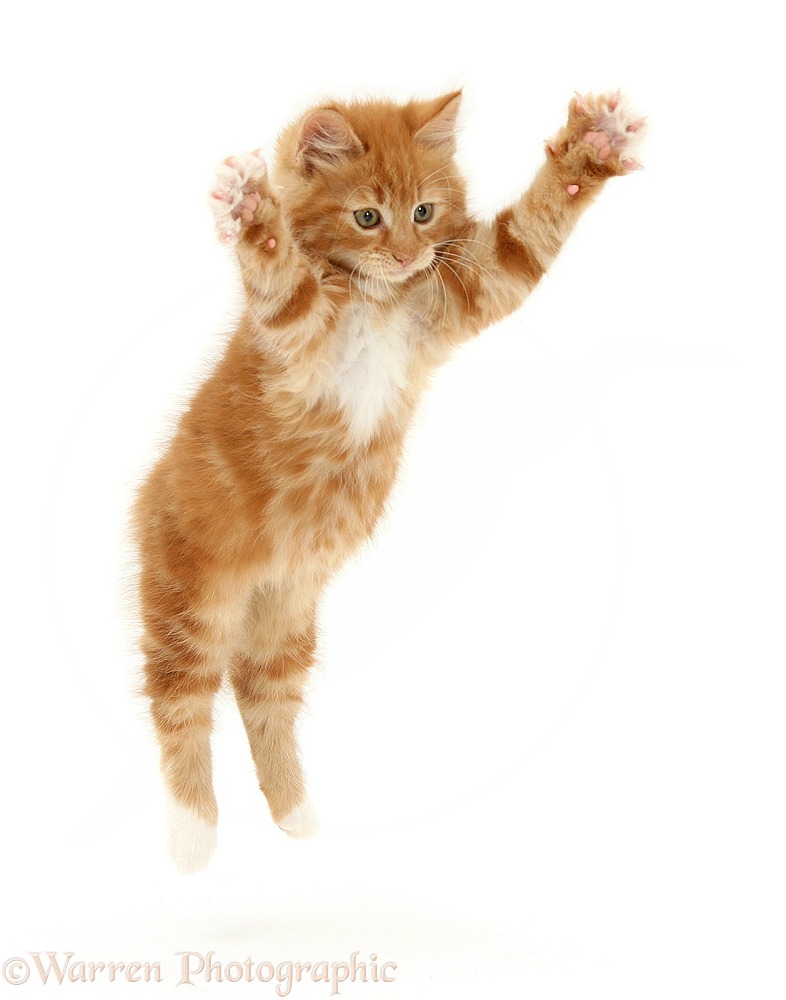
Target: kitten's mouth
[376,276]
[404,268]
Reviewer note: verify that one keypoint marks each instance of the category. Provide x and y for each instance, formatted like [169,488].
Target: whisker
[444,298]
[436,285]
[467,239]
[428,276]
[458,245]
[441,170]
[458,278]
[473,267]
[352,282]
[463,255]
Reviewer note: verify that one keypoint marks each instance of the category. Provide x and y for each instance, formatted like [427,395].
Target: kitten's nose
[404,261]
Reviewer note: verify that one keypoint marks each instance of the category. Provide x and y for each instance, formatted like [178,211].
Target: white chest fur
[371,365]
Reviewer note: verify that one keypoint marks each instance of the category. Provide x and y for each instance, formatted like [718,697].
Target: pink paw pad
[235,198]
[601,143]
[611,127]
[247,207]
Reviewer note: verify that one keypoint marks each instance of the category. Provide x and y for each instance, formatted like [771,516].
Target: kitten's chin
[380,281]
[402,276]
[384,287]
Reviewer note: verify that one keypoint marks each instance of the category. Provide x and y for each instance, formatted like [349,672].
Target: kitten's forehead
[394,160]
[402,187]
[374,192]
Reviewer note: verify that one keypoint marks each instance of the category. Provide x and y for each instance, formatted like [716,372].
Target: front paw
[242,197]
[601,138]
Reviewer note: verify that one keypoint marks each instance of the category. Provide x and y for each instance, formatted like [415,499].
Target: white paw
[191,839]
[616,129]
[302,822]
[234,198]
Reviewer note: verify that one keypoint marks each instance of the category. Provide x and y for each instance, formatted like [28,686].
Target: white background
[546,736]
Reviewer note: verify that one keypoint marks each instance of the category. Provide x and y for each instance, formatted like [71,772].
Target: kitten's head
[373,186]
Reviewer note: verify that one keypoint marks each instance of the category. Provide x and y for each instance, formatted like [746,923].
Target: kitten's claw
[236,197]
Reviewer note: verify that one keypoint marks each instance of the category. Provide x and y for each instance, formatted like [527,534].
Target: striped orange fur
[362,270]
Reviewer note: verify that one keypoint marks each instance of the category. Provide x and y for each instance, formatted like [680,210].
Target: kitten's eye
[424,213]
[367,218]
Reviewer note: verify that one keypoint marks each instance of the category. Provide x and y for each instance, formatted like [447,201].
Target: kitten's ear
[439,132]
[326,137]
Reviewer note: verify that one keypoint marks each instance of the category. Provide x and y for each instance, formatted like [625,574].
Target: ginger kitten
[362,271]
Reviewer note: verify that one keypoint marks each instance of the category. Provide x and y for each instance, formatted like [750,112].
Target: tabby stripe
[297,305]
[514,255]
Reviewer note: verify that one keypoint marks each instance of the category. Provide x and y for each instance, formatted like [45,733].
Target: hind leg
[187,646]
[269,675]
